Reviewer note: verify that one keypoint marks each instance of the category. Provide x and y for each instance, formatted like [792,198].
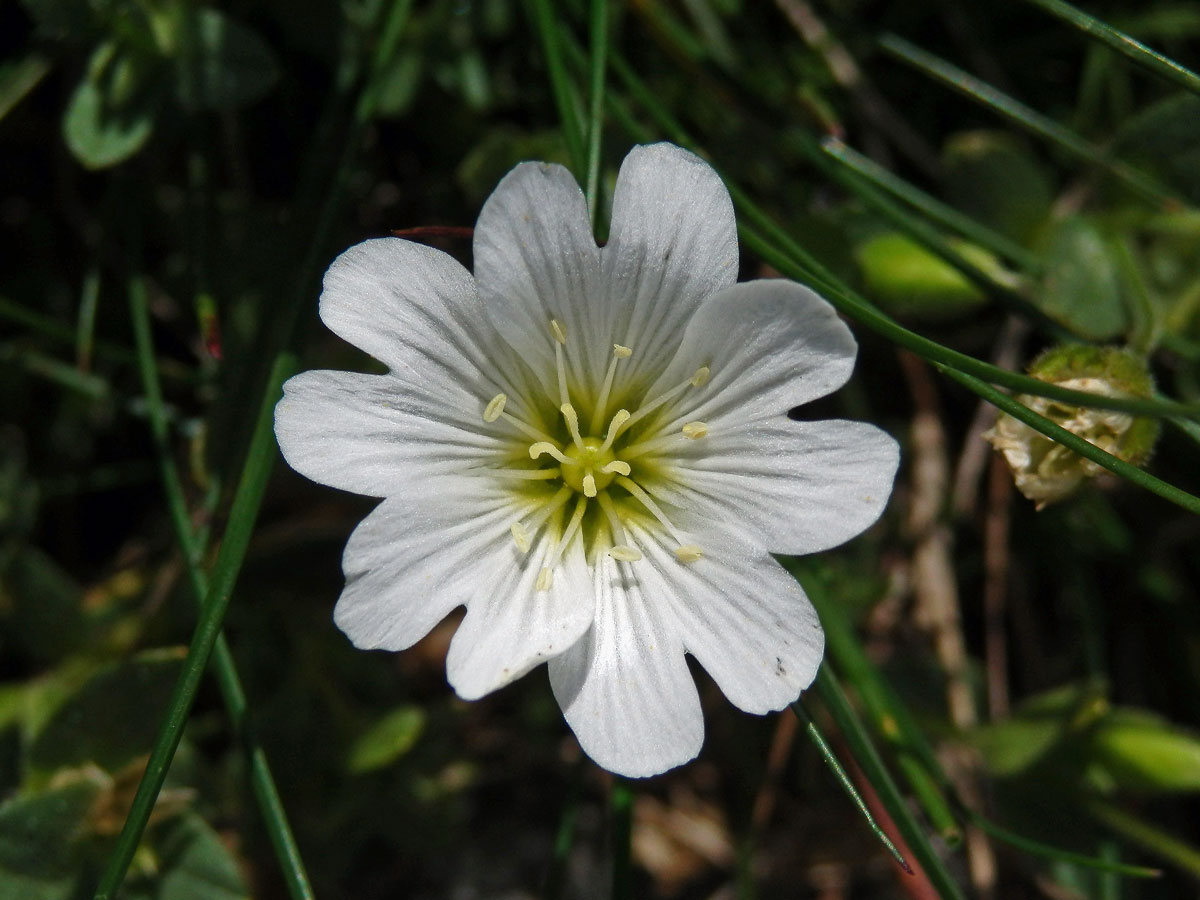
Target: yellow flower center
[589,467]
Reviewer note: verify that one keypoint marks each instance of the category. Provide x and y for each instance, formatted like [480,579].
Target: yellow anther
[494,408]
[695,430]
[544,580]
[614,427]
[688,553]
[520,537]
[537,448]
[572,419]
[701,377]
[622,352]
[589,485]
[625,553]
[616,467]
[557,330]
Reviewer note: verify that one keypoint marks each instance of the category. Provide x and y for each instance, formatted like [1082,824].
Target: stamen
[616,466]
[695,430]
[601,408]
[524,428]
[572,418]
[643,498]
[540,447]
[520,537]
[625,554]
[688,553]
[560,365]
[699,379]
[589,484]
[495,406]
[544,580]
[620,542]
[614,428]
[572,526]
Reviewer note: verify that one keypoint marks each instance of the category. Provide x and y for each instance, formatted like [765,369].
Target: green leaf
[909,281]
[396,86]
[1037,728]
[222,63]
[40,607]
[39,837]
[113,718]
[387,740]
[1136,751]
[1081,285]
[196,864]
[1165,139]
[990,176]
[19,77]
[111,114]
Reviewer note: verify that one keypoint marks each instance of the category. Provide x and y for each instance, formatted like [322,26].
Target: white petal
[625,688]
[784,486]
[536,260]
[511,627]
[770,345]
[417,556]
[739,614]
[413,308]
[375,435]
[673,242]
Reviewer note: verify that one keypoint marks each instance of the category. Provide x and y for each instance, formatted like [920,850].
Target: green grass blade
[85,326]
[933,209]
[549,30]
[839,773]
[1127,46]
[598,25]
[1036,848]
[929,237]
[1027,118]
[564,837]
[1150,838]
[228,681]
[621,800]
[247,499]
[881,780]
[18,79]
[889,717]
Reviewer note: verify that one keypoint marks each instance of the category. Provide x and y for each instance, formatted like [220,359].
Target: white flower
[589,448]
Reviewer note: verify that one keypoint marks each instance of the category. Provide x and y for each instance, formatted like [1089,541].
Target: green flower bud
[1046,471]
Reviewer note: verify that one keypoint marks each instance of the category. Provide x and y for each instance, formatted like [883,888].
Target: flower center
[583,484]
[589,460]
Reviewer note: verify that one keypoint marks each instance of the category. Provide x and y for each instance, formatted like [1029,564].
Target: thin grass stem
[244,511]
[621,802]
[868,758]
[839,773]
[598,25]
[550,31]
[1027,118]
[225,669]
[1127,46]
[932,208]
